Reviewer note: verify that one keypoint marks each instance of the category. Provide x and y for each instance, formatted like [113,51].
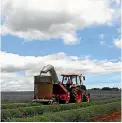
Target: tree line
[106,88]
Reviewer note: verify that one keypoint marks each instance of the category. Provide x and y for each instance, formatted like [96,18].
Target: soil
[114,116]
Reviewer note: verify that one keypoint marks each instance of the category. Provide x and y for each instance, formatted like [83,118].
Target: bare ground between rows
[114,116]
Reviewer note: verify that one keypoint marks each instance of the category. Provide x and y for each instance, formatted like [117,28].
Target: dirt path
[114,116]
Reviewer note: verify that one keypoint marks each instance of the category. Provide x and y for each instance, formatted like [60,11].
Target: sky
[82,36]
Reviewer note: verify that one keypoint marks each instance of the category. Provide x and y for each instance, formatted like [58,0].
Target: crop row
[73,115]
[17,105]
[39,110]
[14,101]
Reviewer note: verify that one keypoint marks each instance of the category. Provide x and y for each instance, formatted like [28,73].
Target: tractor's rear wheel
[76,95]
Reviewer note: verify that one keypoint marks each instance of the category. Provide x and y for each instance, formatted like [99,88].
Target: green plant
[74,115]
[42,109]
[17,105]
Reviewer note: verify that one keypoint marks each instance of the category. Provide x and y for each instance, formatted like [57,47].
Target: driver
[69,82]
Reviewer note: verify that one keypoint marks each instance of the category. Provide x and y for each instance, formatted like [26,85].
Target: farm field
[27,112]
[23,110]
[25,96]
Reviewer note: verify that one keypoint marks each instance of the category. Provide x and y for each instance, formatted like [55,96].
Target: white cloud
[117,43]
[59,19]
[31,65]
[101,36]
[15,82]
[63,63]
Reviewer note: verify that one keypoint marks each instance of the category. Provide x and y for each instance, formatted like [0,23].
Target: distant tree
[106,88]
[95,89]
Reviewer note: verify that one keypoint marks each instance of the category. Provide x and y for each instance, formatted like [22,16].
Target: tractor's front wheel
[76,95]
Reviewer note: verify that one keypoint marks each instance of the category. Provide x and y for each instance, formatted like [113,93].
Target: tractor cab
[72,79]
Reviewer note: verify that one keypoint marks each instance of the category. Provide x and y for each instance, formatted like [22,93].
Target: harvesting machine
[48,88]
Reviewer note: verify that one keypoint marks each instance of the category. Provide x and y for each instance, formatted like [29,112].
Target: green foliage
[17,105]
[34,119]
[73,115]
[23,112]
[7,114]
[108,88]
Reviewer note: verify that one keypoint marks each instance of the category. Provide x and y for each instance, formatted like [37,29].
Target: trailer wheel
[76,95]
[55,100]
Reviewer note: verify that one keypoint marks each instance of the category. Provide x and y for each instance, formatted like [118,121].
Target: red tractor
[50,89]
